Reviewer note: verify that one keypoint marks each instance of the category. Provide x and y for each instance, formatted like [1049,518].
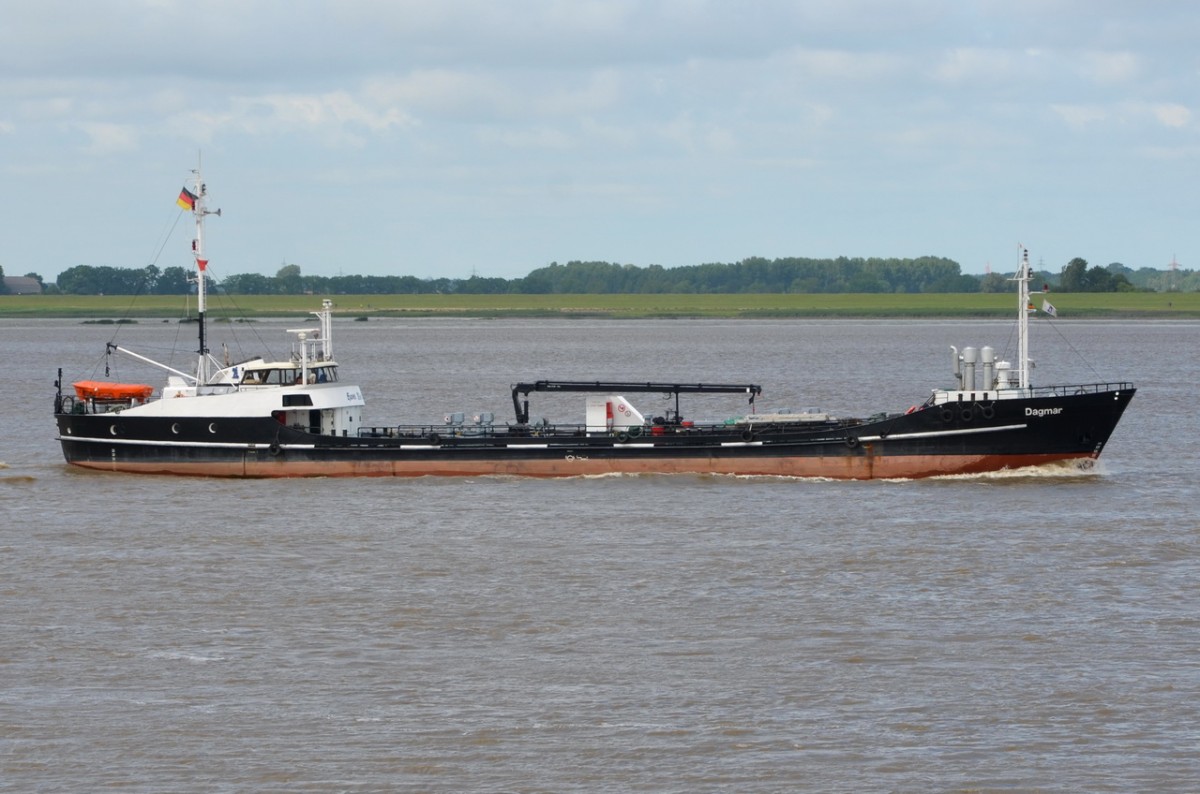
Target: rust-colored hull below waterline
[850,467]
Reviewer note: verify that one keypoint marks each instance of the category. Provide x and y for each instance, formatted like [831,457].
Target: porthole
[175,428]
[112,429]
[212,427]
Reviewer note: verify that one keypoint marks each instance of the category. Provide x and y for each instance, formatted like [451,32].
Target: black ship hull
[1044,425]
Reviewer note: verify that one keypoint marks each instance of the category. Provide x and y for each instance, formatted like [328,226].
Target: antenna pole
[1023,278]
[199,211]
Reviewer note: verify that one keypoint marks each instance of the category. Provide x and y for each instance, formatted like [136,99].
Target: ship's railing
[418,432]
[69,404]
[1068,390]
[437,432]
[540,429]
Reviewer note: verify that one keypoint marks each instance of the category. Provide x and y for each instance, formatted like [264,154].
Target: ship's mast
[1023,277]
[199,211]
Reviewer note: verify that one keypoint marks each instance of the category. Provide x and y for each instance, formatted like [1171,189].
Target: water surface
[1015,632]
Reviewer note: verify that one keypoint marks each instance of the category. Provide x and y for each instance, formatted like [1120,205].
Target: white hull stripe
[941,433]
[199,444]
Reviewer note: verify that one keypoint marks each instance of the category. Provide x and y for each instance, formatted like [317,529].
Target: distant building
[22,285]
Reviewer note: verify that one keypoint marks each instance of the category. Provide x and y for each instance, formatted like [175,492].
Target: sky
[479,137]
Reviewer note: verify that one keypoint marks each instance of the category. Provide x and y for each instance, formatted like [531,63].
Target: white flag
[1048,308]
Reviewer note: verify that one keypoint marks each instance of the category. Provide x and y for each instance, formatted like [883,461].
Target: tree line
[753,275]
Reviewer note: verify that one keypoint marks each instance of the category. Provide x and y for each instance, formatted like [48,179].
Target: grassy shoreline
[1155,305]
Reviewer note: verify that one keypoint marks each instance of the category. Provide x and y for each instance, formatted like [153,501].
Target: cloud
[1172,115]
[57,105]
[975,64]
[1080,115]
[845,66]
[337,118]
[695,138]
[540,138]
[466,95]
[1107,67]
[446,94]
[331,110]
[108,138]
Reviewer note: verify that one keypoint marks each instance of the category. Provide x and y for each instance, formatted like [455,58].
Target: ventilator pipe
[970,356]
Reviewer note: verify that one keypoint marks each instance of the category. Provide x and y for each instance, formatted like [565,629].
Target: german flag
[186,200]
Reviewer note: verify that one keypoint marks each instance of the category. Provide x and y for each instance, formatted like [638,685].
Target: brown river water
[1029,631]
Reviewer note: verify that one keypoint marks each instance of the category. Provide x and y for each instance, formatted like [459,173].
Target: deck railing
[1067,390]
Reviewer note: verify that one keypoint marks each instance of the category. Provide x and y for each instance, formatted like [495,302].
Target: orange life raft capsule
[100,390]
